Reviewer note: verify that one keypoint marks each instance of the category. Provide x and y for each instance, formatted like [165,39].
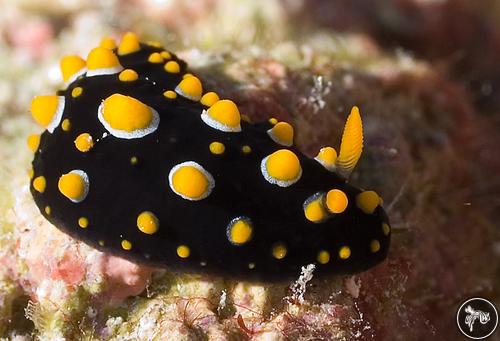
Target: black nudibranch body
[138,160]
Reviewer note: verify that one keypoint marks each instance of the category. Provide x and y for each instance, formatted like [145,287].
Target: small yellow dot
[66,125]
[239,231]
[170,94]
[374,246]
[273,121]
[147,222]
[246,149]
[126,245]
[367,201]
[209,99]
[251,266]
[172,67]
[154,43]
[33,142]
[48,210]
[134,160]
[183,251]
[31,173]
[77,92]
[83,222]
[323,257]
[386,229]
[336,201]
[279,251]
[84,142]
[217,148]
[128,75]
[344,252]
[155,58]
[165,55]
[39,184]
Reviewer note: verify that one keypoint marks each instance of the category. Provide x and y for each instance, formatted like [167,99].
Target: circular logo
[477,318]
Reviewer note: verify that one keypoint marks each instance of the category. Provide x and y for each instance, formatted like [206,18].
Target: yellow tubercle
[190,181]
[147,222]
[386,229]
[246,149]
[217,148]
[66,125]
[155,58]
[273,121]
[102,61]
[323,257]
[129,44]
[314,210]
[183,251]
[345,252]
[31,173]
[170,94]
[374,246]
[76,92]
[240,231]
[44,109]
[74,185]
[154,43]
[279,251]
[33,142]
[126,245]
[209,99]
[83,222]
[108,43]
[223,115]
[281,168]
[128,75]
[39,184]
[165,55]
[327,156]
[48,210]
[84,142]
[172,67]
[282,133]
[368,201]
[190,88]
[186,75]
[71,66]
[336,201]
[126,113]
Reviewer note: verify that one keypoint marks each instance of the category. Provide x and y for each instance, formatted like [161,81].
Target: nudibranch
[139,160]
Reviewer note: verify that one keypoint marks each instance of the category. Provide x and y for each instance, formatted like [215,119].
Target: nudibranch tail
[141,160]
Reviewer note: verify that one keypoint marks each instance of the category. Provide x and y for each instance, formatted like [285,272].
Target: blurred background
[425,73]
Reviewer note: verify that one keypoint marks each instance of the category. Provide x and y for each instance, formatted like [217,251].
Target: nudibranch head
[140,160]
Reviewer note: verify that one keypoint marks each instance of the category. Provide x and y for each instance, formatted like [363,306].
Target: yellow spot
[223,115]
[374,246]
[314,209]
[279,251]
[246,149]
[44,109]
[101,58]
[74,185]
[217,148]
[239,231]
[323,257]
[183,251]
[126,113]
[273,121]
[126,245]
[386,229]
[108,43]
[134,160]
[48,210]
[282,133]
[31,173]
[281,168]
[66,125]
[147,222]
[170,94]
[336,201]
[155,58]
[344,252]
[39,184]
[71,66]
[191,88]
[190,181]
[351,145]
[33,142]
[165,55]
[367,201]
[83,222]
[84,142]
[129,44]
[128,75]
[172,67]
[327,156]
[76,92]
[154,43]
[186,75]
